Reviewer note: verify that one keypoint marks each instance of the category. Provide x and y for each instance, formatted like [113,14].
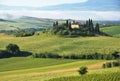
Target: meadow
[63,46]
[113,30]
[36,69]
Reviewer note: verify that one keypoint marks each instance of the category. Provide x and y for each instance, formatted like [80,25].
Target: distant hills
[94,5]
[33,22]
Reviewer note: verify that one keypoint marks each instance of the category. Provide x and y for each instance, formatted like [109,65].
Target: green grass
[35,76]
[60,45]
[113,30]
[27,65]
[19,63]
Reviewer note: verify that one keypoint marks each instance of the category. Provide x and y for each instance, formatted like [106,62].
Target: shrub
[83,70]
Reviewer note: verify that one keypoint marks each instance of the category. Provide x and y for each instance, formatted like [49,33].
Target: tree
[97,28]
[83,70]
[67,23]
[56,23]
[13,49]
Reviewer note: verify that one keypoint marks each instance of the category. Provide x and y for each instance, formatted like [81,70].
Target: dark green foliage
[96,56]
[111,64]
[83,70]
[116,55]
[65,29]
[97,28]
[4,54]
[13,49]
[23,34]
[46,55]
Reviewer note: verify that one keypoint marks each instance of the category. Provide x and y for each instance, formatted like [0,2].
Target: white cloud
[37,2]
[81,15]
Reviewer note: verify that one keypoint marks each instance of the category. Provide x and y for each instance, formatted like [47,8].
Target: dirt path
[94,66]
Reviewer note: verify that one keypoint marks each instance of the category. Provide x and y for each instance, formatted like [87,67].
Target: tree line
[95,56]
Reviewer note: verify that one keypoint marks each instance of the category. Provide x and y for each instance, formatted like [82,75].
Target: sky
[37,3]
[60,11]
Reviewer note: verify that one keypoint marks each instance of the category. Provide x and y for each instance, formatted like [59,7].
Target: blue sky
[62,9]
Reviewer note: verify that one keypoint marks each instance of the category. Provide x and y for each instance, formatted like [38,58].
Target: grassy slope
[114,30]
[28,63]
[60,45]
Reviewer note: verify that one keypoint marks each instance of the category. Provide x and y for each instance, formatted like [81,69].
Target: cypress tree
[56,23]
[97,28]
[67,23]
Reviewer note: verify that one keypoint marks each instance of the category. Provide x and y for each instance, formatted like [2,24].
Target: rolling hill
[60,45]
[113,31]
[25,22]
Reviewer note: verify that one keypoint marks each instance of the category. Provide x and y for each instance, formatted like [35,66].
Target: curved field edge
[113,30]
[59,45]
[70,66]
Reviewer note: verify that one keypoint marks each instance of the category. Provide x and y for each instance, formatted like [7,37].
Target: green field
[33,69]
[38,69]
[92,77]
[113,30]
[61,45]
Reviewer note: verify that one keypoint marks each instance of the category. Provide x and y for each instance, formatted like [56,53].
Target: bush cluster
[111,64]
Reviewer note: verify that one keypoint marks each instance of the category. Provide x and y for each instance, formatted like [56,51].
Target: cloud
[80,15]
[37,3]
